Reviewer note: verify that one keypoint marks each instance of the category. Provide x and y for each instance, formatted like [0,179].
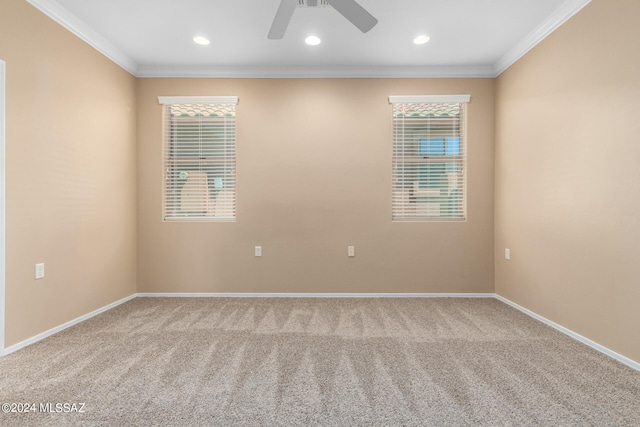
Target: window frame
[404,204]
[214,209]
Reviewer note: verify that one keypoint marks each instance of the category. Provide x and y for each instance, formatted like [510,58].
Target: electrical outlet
[258,251]
[40,271]
[507,254]
[351,251]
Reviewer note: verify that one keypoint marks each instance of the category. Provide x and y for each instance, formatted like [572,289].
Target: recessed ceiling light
[422,39]
[201,40]
[313,40]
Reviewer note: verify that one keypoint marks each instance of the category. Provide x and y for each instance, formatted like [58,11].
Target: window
[429,162]
[199,158]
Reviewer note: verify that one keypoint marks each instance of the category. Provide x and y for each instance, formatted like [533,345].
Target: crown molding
[557,18]
[212,71]
[53,10]
[62,16]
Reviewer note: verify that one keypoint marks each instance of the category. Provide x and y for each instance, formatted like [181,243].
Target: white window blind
[429,158]
[199,158]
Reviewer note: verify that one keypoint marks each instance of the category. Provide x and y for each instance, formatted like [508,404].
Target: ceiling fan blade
[355,13]
[282,18]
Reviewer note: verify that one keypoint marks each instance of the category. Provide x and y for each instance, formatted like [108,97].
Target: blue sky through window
[440,146]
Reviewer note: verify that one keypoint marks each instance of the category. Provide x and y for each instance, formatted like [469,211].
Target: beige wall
[70,174]
[567,180]
[313,176]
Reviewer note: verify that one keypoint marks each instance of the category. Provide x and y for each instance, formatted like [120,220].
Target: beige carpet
[205,361]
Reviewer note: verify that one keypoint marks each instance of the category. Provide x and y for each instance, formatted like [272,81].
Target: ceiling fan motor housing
[312,3]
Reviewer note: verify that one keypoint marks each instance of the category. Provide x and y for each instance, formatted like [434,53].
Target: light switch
[351,251]
[258,251]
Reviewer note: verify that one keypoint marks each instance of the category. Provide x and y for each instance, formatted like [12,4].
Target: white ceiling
[474,38]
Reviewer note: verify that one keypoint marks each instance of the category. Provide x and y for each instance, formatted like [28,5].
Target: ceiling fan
[350,9]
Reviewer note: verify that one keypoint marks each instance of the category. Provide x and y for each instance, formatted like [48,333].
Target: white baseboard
[602,349]
[311,295]
[64,326]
